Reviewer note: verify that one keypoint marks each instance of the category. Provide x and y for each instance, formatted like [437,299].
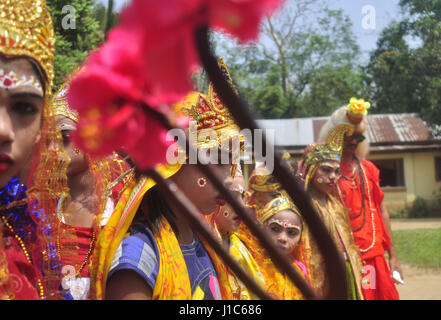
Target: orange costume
[360,191]
[362,196]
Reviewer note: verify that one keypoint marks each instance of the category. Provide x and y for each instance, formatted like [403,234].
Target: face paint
[11,80]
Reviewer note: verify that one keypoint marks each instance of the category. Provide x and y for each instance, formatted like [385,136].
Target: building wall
[419,173]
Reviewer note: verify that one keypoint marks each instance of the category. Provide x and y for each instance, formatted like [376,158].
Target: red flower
[241,18]
[114,119]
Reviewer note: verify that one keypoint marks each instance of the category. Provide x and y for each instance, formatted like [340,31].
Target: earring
[202,182]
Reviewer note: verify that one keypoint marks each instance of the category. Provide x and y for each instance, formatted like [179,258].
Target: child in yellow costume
[147,250]
[273,209]
[321,172]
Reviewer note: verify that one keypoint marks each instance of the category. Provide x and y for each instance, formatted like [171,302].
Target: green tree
[405,69]
[305,64]
[77,33]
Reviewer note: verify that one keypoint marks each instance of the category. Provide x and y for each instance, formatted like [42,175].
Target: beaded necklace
[355,182]
[91,245]
[364,186]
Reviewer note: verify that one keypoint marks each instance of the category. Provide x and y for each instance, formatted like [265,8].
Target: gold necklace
[91,245]
[28,257]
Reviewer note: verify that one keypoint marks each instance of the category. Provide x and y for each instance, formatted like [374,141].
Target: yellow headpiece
[26,30]
[260,183]
[276,205]
[357,109]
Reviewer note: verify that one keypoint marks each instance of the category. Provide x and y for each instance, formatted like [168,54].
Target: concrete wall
[419,175]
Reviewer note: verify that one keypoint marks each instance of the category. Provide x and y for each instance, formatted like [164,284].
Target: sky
[369,17]
[368,30]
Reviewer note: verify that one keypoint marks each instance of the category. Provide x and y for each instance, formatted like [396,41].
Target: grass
[419,247]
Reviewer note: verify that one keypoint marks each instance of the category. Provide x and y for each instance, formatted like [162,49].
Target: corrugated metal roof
[382,129]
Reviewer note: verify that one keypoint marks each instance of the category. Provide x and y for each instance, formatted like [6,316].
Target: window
[391,172]
[438,168]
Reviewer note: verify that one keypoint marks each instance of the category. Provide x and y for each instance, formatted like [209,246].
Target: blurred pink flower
[240,18]
[113,119]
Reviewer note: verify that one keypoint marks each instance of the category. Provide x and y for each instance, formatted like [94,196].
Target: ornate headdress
[214,122]
[276,205]
[26,30]
[260,182]
[331,150]
[353,114]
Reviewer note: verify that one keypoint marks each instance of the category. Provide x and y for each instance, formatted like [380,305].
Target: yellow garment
[173,281]
[172,263]
[336,220]
[241,254]
[254,259]
[116,228]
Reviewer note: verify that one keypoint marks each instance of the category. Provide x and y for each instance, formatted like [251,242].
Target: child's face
[226,219]
[285,228]
[21,110]
[326,176]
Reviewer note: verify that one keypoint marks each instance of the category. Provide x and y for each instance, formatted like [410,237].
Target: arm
[127,285]
[393,258]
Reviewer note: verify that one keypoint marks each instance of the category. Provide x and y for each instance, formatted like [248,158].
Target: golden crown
[276,205]
[210,114]
[26,29]
[332,149]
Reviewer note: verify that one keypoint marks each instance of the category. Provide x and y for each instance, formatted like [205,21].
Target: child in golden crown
[321,171]
[94,189]
[32,173]
[361,193]
[154,253]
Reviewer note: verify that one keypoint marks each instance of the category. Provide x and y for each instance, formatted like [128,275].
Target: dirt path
[419,284]
[406,224]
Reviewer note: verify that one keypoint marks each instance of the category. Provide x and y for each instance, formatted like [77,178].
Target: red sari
[362,196]
[23,276]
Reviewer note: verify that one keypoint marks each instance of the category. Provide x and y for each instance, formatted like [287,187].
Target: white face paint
[11,80]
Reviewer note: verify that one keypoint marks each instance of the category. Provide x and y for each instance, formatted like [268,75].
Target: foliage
[298,68]
[419,247]
[73,45]
[419,209]
[398,214]
[405,69]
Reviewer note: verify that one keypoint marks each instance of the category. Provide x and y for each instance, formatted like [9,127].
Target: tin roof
[385,131]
